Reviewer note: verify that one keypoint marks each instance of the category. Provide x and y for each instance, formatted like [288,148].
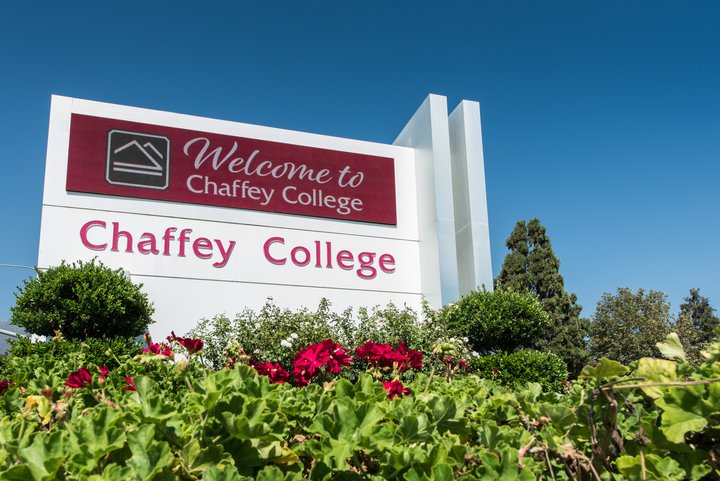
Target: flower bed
[163,415]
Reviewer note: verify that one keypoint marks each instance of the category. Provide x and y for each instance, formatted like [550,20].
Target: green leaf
[149,457]
[19,472]
[682,412]
[656,370]
[198,460]
[561,417]
[671,348]
[273,473]
[604,369]
[414,429]
[114,472]
[657,468]
[44,456]
[227,473]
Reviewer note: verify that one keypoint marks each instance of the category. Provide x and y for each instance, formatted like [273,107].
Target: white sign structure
[214,216]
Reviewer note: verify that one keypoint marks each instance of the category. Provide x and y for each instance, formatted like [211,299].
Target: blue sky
[602,118]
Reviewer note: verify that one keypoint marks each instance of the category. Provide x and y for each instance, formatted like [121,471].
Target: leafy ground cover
[162,416]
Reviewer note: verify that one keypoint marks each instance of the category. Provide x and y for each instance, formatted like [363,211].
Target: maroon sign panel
[132,159]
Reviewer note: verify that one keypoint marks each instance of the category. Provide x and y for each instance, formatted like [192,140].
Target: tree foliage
[82,300]
[627,326]
[531,265]
[696,325]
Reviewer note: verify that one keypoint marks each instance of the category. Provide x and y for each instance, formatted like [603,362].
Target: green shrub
[497,321]
[393,324]
[275,335]
[81,301]
[109,352]
[522,367]
[272,334]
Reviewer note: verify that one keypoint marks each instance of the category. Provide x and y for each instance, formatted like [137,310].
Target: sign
[214,216]
[131,159]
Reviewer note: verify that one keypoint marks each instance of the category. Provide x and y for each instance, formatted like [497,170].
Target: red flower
[4,385]
[415,359]
[379,355]
[395,388]
[192,345]
[310,359]
[384,356]
[103,372]
[79,378]
[275,372]
[162,349]
[462,364]
[131,384]
[336,356]
[308,362]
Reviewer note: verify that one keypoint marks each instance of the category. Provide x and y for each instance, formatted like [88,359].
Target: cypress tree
[696,325]
[531,265]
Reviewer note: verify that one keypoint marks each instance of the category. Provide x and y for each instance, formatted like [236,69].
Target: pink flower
[395,388]
[79,379]
[275,372]
[192,345]
[162,349]
[131,384]
[103,372]
[4,385]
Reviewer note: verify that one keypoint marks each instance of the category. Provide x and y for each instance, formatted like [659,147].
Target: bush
[275,335]
[522,367]
[271,334]
[83,300]
[497,321]
[109,352]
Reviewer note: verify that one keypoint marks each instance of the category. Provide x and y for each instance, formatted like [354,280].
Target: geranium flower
[131,384]
[415,359]
[274,371]
[103,372]
[79,379]
[192,345]
[336,356]
[384,356]
[308,362]
[395,388]
[162,349]
[379,355]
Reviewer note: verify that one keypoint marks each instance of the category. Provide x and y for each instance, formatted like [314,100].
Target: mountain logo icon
[138,160]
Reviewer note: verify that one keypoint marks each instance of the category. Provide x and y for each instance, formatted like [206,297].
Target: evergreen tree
[696,325]
[531,265]
[626,326]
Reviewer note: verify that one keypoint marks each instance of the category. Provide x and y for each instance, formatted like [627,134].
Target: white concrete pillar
[472,232]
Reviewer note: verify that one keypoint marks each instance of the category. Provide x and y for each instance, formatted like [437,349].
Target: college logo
[138,160]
